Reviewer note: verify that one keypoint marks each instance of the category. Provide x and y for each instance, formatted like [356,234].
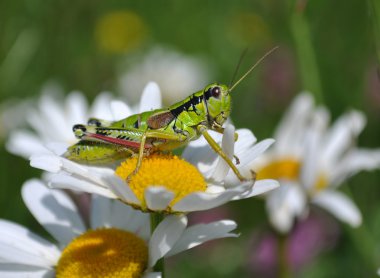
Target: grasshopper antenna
[253,67]
[238,66]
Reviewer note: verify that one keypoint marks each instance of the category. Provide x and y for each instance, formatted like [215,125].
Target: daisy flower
[117,243]
[165,182]
[52,122]
[311,159]
[12,115]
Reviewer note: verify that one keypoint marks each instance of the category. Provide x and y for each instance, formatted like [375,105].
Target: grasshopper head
[218,103]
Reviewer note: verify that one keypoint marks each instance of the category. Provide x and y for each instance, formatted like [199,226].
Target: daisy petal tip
[339,205]
[166,236]
[31,186]
[258,188]
[230,223]
[121,189]
[46,163]
[151,97]
[355,221]
[153,275]
[158,197]
[152,87]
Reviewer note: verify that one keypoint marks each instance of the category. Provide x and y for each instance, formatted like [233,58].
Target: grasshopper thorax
[218,103]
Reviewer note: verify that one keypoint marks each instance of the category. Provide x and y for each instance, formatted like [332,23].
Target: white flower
[52,121]
[311,160]
[165,183]
[78,250]
[246,149]
[12,115]
[177,75]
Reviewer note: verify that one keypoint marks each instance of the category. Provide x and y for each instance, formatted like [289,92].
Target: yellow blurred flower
[248,28]
[120,31]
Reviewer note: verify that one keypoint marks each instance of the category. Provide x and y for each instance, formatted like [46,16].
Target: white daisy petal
[101,107]
[313,137]
[19,245]
[255,151]
[340,206]
[76,108]
[54,210]
[112,213]
[260,187]
[152,275]
[222,168]
[285,204]
[158,197]
[82,170]
[50,113]
[290,128]
[65,181]
[200,153]
[37,123]
[245,139]
[58,148]
[127,218]
[340,137]
[120,110]
[201,201]
[204,158]
[247,160]
[198,234]
[151,98]
[353,162]
[100,212]
[165,236]
[121,189]
[24,143]
[46,162]
[24,271]
[53,163]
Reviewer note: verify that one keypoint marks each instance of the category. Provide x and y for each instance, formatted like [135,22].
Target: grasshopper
[158,130]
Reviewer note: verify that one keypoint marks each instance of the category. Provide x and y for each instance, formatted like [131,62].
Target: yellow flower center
[281,169]
[172,172]
[120,31]
[288,169]
[104,253]
[321,183]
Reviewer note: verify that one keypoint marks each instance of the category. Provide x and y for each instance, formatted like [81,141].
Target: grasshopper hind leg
[97,153]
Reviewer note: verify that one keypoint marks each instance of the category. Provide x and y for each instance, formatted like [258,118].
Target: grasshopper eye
[215,92]
[79,131]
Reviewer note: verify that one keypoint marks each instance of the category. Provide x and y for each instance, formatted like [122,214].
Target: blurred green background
[327,47]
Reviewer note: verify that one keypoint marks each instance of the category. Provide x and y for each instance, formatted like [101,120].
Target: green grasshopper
[158,130]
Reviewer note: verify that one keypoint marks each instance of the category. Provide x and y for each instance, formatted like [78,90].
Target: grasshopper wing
[160,119]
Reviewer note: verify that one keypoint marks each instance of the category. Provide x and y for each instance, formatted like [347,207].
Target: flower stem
[374,12]
[155,220]
[284,269]
[305,51]
[362,239]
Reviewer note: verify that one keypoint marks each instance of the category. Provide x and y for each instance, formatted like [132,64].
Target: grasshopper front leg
[218,128]
[203,130]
